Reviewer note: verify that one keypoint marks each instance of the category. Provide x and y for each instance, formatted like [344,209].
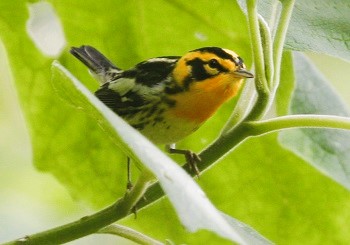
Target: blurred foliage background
[32,201]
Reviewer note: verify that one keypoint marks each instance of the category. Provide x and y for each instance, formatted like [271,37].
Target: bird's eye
[213,63]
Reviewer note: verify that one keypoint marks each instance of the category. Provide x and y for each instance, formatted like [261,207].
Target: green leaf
[327,150]
[247,233]
[327,25]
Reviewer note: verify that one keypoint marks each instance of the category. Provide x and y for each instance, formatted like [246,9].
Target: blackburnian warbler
[168,98]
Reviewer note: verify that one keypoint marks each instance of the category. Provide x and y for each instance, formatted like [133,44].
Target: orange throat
[204,98]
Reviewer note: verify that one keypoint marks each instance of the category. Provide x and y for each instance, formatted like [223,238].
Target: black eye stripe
[215,64]
[198,72]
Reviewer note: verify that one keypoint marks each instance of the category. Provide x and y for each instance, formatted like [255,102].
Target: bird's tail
[97,63]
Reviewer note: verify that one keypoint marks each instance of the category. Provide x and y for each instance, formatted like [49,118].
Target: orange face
[215,76]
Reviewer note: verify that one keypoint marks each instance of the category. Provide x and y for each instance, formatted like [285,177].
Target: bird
[168,98]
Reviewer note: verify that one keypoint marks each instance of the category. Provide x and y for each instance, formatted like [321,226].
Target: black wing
[127,104]
[153,71]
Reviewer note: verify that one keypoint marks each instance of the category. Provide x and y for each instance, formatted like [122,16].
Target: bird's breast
[204,98]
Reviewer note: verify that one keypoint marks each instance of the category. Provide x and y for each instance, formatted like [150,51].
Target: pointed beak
[243,73]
